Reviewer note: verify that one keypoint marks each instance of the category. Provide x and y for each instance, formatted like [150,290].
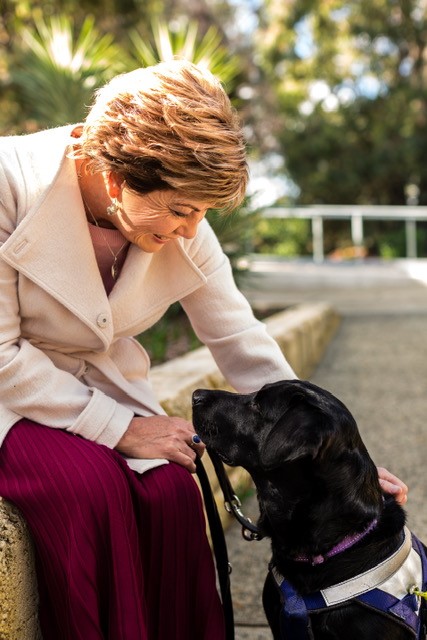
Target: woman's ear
[113,184]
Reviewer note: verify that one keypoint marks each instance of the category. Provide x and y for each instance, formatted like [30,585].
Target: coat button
[102,320]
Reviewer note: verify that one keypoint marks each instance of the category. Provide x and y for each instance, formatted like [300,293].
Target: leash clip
[233,507]
[232,503]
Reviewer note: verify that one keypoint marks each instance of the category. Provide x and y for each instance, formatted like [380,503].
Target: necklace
[114,267]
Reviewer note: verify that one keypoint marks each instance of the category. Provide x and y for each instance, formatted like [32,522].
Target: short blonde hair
[169,126]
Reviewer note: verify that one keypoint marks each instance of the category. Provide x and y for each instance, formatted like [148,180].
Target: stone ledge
[18,591]
[302,333]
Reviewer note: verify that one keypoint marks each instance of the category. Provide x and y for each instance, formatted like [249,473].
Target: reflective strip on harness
[374,577]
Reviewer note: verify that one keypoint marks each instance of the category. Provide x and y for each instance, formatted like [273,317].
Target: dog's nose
[198,396]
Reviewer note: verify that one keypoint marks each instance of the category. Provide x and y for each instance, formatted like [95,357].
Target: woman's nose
[188,229]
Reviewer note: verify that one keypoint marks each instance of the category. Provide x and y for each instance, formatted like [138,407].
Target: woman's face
[154,219]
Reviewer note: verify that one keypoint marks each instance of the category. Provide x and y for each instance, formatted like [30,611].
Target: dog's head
[303,449]
[282,422]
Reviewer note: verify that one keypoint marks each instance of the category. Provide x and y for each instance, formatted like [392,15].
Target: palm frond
[206,50]
[59,68]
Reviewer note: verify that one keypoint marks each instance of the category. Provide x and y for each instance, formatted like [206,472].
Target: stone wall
[303,334]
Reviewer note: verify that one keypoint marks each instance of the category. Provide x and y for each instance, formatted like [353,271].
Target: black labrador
[321,504]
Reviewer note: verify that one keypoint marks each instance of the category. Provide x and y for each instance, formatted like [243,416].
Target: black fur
[316,483]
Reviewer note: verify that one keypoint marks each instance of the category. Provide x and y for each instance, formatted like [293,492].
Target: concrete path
[377,365]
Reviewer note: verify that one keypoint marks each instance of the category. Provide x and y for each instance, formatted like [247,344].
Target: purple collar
[345,543]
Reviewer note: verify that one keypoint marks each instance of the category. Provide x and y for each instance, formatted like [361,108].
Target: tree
[350,79]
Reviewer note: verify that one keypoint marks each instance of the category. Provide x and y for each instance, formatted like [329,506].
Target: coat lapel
[52,247]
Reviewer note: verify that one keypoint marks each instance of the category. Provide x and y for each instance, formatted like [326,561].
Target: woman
[101,229]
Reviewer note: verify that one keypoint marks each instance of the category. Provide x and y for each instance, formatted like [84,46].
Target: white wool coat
[68,358]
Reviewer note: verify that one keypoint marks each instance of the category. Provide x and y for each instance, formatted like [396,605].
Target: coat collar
[52,247]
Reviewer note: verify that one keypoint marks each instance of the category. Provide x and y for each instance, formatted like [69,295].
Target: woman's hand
[161,437]
[391,484]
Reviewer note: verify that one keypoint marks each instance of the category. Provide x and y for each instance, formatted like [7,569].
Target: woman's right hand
[161,437]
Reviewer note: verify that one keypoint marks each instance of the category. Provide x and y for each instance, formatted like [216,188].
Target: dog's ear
[300,432]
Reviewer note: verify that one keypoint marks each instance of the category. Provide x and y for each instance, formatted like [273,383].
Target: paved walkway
[377,365]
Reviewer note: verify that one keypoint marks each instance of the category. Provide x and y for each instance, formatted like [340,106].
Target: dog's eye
[255,407]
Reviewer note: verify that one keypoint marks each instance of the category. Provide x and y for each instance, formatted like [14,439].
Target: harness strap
[295,622]
[419,547]
[404,611]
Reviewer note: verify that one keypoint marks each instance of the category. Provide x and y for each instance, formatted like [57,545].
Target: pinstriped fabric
[119,556]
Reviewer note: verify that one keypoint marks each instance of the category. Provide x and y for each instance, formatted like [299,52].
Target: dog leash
[250,531]
[223,566]
[232,503]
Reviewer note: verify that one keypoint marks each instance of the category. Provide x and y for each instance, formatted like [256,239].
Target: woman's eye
[179,214]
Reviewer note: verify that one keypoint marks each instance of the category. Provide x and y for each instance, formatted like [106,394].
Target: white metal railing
[356,214]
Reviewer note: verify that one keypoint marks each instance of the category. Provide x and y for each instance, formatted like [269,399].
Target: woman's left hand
[391,484]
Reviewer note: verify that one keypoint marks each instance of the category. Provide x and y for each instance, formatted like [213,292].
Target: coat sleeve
[223,320]
[31,386]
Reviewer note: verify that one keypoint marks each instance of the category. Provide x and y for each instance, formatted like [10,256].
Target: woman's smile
[160,238]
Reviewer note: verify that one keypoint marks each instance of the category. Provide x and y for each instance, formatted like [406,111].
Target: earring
[112,208]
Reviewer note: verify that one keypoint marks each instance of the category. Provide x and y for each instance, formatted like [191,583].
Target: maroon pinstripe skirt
[119,556]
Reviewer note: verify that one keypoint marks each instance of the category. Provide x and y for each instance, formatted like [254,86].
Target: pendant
[114,269]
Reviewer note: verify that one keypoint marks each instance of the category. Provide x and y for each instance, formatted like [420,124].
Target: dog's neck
[307,511]
[372,549]
[346,543]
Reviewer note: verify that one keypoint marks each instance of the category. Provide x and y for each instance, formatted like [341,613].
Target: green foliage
[52,63]
[387,239]
[351,80]
[57,66]
[186,42]
[59,69]
[282,237]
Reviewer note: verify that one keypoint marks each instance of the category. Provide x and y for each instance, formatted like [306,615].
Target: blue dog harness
[393,588]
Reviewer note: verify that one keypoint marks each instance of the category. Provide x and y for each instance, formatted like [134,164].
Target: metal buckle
[250,535]
[233,505]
